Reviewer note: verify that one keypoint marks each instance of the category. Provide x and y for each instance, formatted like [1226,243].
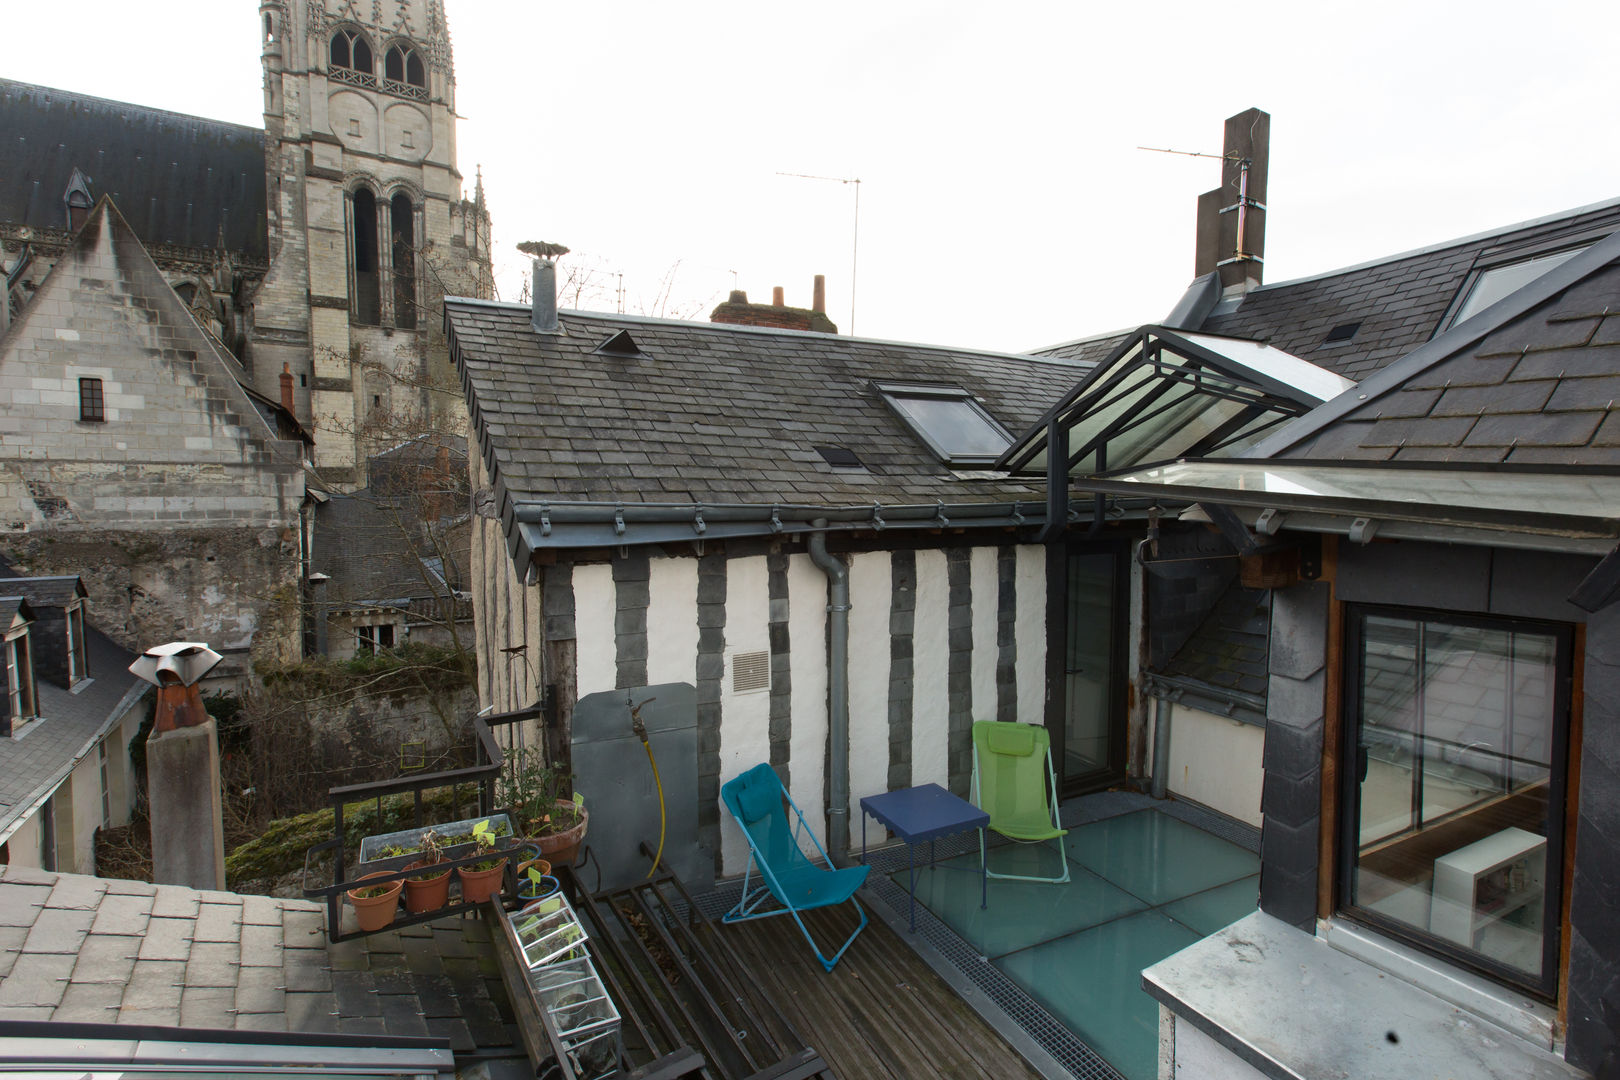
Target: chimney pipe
[543,288]
[1232,218]
[182,761]
[818,300]
[777,298]
[287,388]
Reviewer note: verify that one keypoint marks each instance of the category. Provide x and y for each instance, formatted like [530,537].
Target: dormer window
[23,702]
[403,72]
[949,421]
[351,59]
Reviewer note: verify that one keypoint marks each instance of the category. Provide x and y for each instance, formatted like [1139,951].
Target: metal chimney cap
[178,661]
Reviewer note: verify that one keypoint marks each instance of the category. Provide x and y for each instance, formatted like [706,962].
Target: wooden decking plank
[882,1014]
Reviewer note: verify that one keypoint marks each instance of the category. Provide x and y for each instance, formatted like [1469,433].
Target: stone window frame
[351,72]
[403,87]
[384,197]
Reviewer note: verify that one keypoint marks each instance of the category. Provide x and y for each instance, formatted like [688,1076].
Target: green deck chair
[1012,767]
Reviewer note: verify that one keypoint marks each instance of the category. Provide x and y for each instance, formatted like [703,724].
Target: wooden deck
[882,1013]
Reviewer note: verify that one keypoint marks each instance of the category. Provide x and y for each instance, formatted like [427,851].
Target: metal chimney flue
[182,762]
[543,288]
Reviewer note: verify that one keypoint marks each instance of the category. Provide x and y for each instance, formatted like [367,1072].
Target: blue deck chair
[786,875]
[1010,784]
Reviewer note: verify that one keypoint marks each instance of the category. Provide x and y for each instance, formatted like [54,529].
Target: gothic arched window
[403,72]
[351,58]
[403,220]
[366,303]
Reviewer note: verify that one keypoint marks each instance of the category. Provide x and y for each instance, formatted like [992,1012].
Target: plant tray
[573,994]
[371,847]
[549,932]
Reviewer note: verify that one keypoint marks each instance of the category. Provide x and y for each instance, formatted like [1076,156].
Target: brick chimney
[1232,218]
[738,311]
[287,389]
[182,762]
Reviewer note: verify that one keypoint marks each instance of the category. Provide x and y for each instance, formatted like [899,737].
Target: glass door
[1093,737]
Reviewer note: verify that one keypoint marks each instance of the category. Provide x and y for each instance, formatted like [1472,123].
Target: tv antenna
[855,241]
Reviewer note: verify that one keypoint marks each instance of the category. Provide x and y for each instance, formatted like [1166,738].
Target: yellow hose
[647,746]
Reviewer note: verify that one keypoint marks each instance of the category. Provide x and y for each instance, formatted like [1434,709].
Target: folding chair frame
[752,899]
[1052,804]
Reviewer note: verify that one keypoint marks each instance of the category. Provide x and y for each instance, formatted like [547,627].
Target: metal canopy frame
[1124,383]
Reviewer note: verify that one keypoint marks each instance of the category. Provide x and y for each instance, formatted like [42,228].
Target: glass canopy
[1582,501]
[1164,394]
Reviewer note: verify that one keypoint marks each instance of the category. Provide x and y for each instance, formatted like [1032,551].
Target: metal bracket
[545,519]
[776,520]
[940,519]
[1363,529]
[877,517]
[1270,522]
[618,520]
[698,524]
[1018,513]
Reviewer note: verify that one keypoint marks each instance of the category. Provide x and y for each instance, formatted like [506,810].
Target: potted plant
[375,905]
[536,883]
[538,797]
[482,879]
[396,850]
[428,890]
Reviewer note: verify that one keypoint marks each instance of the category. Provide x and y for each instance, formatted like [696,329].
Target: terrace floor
[1058,967]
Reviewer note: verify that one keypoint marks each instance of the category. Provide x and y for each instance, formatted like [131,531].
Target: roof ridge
[74,95]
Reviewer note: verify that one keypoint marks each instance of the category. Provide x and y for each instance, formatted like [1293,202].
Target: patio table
[923,813]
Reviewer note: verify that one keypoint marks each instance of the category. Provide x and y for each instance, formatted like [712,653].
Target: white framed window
[78,659]
[20,676]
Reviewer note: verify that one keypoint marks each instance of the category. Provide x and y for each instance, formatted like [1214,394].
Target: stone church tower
[367,224]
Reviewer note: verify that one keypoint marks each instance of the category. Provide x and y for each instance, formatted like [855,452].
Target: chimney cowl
[543,289]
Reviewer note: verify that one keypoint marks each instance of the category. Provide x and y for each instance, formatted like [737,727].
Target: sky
[1004,203]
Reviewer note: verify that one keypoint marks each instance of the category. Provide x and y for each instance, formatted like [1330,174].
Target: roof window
[1341,333]
[950,421]
[1494,283]
[840,457]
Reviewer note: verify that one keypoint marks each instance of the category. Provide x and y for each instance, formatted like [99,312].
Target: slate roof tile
[1514,397]
[1542,429]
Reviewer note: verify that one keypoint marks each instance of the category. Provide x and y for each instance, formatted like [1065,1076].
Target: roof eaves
[1448,344]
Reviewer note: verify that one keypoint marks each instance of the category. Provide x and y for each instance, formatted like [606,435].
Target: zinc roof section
[716,413]
[1539,389]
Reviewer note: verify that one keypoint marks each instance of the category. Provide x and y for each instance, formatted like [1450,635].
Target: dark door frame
[1058,554]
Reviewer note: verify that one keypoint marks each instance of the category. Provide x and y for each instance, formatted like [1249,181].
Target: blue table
[924,813]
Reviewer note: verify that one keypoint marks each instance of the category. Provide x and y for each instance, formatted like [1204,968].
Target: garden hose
[641,731]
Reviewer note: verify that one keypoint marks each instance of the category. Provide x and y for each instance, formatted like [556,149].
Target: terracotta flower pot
[375,912]
[427,893]
[479,885]
[562,847]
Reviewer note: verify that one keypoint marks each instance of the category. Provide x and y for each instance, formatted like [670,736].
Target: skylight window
[950,421]
[1496,282]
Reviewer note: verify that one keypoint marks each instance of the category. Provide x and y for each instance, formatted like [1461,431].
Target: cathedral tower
[368,228]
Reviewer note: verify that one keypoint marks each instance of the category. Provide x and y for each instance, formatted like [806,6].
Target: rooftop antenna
[855,241]
[1243,201]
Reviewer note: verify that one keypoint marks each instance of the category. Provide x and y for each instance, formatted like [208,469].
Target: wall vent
[750,671]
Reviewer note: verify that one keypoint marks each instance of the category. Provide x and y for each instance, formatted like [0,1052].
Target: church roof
[180,180]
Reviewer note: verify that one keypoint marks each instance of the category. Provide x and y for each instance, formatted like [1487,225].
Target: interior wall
[1218,762]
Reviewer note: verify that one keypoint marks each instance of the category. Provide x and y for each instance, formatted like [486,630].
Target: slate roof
[76,948]
[44,592]
[1398,301]
[371,549]
[1538,389]
[34,760]
[180,179]
[717,413]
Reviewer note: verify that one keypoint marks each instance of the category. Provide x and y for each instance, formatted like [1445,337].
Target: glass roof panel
[1566,495]
[956,426]
[1286,368]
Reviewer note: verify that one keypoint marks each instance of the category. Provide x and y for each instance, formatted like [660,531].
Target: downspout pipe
[1161,746]
[837,693]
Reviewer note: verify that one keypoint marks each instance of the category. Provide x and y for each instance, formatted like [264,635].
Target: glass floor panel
[1143,885]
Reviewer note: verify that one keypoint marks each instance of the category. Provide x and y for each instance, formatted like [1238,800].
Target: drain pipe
[1161,746]
[837,693]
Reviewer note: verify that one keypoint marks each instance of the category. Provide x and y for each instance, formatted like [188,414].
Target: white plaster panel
[1217,761]
[986,599]
[24,842]
[871,591]
[672,629]
[597,656]
[930,667]
[744,718]
[1029,632]
[807,637]
[86,781]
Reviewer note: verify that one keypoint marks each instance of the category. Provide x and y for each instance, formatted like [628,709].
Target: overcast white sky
[1003,201]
